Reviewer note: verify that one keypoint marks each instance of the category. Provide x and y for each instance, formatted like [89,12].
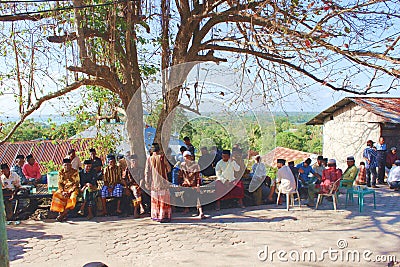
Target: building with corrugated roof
[351,122]
[42,150]
[288,154]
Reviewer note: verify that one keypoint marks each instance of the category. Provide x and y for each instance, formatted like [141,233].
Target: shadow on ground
[17,236]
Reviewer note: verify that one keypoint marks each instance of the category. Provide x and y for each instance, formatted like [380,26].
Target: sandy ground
[255,236]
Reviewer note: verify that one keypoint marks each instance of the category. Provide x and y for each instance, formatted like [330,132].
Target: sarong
[224,193]
[90,196]
[160,205]
[60,203]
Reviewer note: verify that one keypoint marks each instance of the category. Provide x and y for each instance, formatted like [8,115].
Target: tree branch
[36,106]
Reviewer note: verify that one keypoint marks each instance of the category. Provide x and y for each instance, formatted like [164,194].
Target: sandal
[80,212]
[59,218]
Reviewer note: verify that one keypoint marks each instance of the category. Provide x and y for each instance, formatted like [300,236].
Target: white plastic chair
[290,196]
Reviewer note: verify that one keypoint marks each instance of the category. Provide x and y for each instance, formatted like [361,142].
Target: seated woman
[226,185]
[10,184]
[64,199]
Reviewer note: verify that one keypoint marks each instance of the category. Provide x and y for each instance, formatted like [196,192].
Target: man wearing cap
[17,168]
[319,167]
[88,187]
[329,177]
[226,185]
[31,169]
[189,175]
[369,155]
[64,199]
[394,176]
[10,184]
[391,157]
[112,184]
[350,173]
[285,181]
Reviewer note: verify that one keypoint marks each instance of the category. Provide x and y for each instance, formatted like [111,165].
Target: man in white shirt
[285,181]
[10,184]
[226,185]
[394,176]
[257,184]
[75,160]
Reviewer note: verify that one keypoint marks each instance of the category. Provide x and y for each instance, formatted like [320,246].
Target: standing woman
[64,199]
[157,167]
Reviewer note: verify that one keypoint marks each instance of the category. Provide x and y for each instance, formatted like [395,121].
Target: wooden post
[3,234]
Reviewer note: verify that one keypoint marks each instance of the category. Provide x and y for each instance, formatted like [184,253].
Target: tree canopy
[349,46]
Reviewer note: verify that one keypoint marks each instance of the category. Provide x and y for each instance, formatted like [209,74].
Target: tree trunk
[175,77]
[3,234]
[134,127]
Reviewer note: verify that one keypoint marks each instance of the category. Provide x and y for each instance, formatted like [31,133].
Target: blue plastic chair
[360,192]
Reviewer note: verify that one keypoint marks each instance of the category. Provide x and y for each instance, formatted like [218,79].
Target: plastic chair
[360,192]
[332,193]
[290,196]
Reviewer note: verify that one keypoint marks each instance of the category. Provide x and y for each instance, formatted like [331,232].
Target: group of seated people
[118,180]
[122,179]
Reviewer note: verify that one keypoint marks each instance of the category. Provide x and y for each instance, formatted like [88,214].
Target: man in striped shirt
[112,184]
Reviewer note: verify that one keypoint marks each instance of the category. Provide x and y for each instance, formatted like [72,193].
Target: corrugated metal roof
[388,108]
[284,153]
[43,150]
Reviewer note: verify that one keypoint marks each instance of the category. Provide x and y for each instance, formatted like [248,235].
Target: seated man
[394,176]
[190,176]
[226,186]
[17,168]
[64,199]
[257,183]
[362,175]
[350,173]
[10,184]
[206,159]
[88,187]
[319,166]
[305,169]
[131,179]
[112,184]
[285,181]
[329,176]
[31,170]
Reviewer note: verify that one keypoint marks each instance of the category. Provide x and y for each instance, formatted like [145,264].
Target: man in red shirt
[329,176]
[31,169]
[391,157]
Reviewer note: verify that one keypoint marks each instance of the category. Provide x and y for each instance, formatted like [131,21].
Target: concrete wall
[347,131]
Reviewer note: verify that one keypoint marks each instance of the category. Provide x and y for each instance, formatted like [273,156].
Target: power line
[62,8]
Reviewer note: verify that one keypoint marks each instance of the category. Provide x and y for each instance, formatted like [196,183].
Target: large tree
[349,46]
